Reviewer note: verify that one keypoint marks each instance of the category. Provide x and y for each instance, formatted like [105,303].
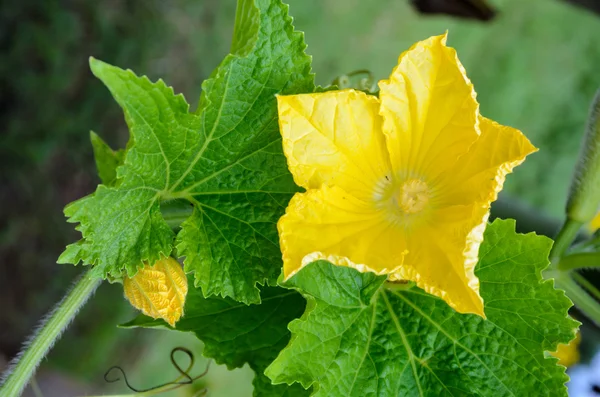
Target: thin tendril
[366,84]
[184,374]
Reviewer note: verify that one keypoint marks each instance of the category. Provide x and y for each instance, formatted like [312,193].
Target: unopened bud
[584,196]
[158,291]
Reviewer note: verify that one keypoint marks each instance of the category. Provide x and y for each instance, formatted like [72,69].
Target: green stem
[586,284]
[36,388]
[563,241]
[174,212]
[588,305]
[592,243]
[579,261]
[23,367]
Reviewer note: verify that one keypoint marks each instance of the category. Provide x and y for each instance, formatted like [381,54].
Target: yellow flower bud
[594,224]
[568,354]
[158,291]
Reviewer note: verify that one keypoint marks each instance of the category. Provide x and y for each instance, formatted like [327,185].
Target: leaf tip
[66,257]
[99,68]
[95,64]
[96,140]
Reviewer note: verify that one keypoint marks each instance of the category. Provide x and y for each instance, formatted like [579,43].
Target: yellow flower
[568,354]
[401,184]
[158,291]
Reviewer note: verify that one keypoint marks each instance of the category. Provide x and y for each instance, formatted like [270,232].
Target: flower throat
[413,196]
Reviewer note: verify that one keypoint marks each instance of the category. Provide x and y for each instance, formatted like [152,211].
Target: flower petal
[479,175]
[328,223]
[429,110]
[159,290]
[464,193]
[594,224]
[334,138]
[442,257]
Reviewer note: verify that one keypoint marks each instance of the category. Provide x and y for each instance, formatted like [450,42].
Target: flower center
[413,196]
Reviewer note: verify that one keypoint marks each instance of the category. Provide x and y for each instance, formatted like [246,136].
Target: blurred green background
[535,67]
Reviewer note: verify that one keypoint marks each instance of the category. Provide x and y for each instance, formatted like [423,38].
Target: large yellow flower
[401,184]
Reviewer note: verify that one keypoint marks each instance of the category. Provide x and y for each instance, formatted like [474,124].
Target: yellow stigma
[413,196]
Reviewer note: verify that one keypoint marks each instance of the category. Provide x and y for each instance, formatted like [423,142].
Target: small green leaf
[107,160]
[359,338]
[235,334]
[121,228]
[225,159]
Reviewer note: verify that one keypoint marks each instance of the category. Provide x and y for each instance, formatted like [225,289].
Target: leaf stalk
[584,302]
[586,284]
[563,241]
[579,261]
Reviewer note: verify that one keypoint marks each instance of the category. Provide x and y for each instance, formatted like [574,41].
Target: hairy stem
[23,366]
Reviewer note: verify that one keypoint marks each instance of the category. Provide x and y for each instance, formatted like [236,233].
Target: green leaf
[107,160]
[360,338]
[225,159]
[235,334]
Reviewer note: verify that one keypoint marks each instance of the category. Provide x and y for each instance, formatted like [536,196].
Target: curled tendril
[184,378]
[366,83]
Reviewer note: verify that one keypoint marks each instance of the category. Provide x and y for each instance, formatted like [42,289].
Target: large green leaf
[225,158]
[360,338]
[235,334]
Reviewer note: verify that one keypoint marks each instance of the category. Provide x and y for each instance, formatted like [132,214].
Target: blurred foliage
[471,9]
[49,101]
[592,5]
[534,67]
